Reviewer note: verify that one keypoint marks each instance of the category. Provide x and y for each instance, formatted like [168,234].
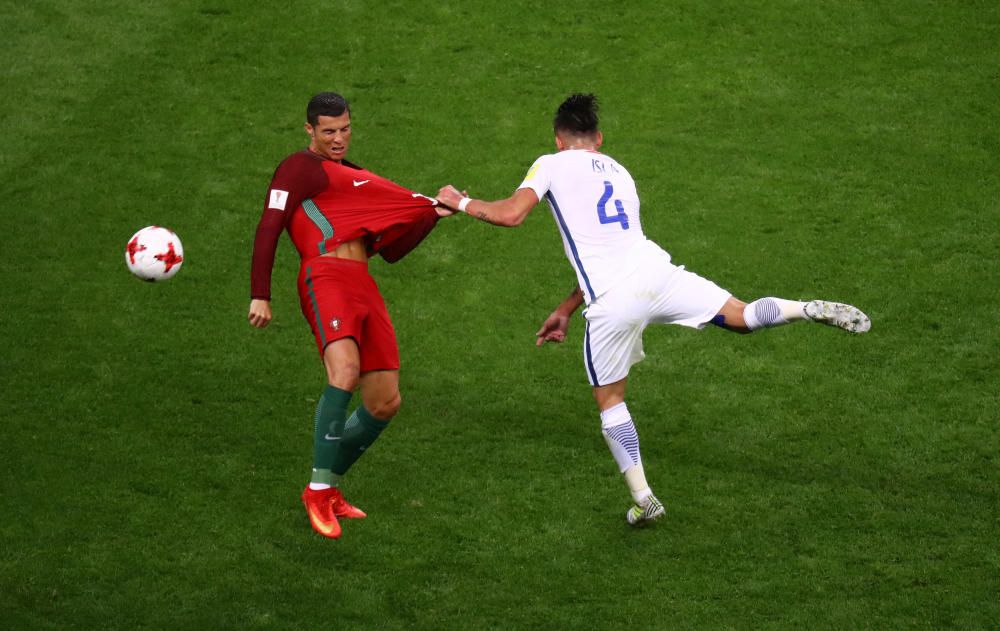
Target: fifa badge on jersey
[278,199]
[335,324]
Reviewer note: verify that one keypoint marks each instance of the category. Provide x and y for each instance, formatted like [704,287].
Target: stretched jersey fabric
[595,204]
[323,203]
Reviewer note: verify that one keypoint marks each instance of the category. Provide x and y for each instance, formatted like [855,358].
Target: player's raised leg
[623,441]
[771,312]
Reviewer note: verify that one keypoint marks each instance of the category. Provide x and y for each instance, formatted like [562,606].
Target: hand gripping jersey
[596,206]
[323,203]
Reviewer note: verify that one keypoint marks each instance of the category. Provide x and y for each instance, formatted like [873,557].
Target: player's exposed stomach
[353,250]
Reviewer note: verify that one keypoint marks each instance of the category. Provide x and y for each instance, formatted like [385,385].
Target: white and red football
[154,254]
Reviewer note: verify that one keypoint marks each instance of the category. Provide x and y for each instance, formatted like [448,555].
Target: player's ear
[600,139]
[308,128]
[560,145]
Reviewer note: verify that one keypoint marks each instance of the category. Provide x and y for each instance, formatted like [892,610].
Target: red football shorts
[340,299]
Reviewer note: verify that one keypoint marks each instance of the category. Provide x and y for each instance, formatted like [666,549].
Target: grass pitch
[154,445]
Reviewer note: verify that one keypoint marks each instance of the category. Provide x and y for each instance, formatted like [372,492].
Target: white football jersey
[595,204]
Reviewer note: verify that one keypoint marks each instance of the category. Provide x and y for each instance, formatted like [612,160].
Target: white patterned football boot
[649,510]
[837,314]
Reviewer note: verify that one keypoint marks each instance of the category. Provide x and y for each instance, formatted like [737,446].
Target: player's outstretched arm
[508,212]
[555,326]
[260,313]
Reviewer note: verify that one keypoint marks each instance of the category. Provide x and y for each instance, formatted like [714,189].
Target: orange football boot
[319,506]
[342,509]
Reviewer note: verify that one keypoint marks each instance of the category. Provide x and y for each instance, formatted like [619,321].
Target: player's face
[331,136]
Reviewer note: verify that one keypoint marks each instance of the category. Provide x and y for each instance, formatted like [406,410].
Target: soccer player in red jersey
[338,215]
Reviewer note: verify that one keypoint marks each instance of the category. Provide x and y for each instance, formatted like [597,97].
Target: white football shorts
[658,292]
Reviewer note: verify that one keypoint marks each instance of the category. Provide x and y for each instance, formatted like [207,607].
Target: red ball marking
[133,247]
[169,257]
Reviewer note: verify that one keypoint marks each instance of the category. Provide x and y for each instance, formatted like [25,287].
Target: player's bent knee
[737,326]
[730,317]
[386,409]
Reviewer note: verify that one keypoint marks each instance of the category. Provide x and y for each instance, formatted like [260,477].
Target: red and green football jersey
[323,203]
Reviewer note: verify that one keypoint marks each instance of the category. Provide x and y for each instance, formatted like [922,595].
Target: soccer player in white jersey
[626,280]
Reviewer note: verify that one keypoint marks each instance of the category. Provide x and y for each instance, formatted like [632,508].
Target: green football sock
[331,412]
[361,430]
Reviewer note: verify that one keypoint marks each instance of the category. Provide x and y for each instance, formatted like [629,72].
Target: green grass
[154,445]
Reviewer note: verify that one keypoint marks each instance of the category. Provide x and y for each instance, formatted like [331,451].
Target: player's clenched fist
[260,313]
[450,196]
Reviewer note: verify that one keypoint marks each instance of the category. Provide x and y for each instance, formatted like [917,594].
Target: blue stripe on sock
[767,311]
[626,436]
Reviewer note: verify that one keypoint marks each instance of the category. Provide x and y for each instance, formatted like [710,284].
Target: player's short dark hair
[577,115]
[326,104]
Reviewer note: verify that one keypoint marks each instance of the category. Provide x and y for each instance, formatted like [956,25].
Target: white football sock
[619,433]
[769,312]
[623,441]
[637,485]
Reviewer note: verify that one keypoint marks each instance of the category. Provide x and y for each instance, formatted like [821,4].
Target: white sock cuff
[615,415]
[750,317]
